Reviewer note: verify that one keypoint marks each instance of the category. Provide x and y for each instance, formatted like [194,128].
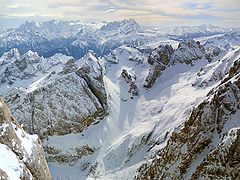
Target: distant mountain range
[75,38]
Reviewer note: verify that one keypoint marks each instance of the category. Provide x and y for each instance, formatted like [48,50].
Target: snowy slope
[96,116]
[137,126]
[198,149]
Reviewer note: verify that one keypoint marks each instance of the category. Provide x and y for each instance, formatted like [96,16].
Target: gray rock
[25,149]
[64,102]
[206,146]
[188,52]
[159,59]
[130,79]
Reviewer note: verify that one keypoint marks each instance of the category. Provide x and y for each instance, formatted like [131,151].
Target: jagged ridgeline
[207,146]
[75,38]
[66,99]
[119,101]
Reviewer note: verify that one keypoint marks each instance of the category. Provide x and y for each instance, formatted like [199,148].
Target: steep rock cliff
[205,146]
[21,154]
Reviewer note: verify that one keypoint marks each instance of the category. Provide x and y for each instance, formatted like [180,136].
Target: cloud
[16,6]
[146,12]
[60,4]
[190,5]
[110,10]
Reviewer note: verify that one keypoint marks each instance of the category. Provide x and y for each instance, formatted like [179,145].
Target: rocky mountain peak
[9,56]
[113,29]
[161,55]
[125,24]
[31,54]
[92,72]
[27,25]
[159,59]
[12,53]
[91,65]
[188,52]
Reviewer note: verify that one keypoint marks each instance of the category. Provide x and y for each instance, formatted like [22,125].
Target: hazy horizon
[104,22]
[157,13]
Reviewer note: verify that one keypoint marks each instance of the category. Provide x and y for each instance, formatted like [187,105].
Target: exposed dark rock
[188,52]
[185,156]
[131,80]
[159,59]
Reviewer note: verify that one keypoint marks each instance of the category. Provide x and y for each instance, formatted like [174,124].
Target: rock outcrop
[124,53]
[92,72]
[159,59]
[65,100]
[21,154]
[222,162]
[71,158]
[206,146]
[130,79]
[188,52]
[213,52]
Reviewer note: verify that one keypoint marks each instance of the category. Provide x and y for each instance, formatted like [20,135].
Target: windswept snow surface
[36,70]
[10,163]
[153,114]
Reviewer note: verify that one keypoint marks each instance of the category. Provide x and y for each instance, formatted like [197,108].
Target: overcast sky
[146,12]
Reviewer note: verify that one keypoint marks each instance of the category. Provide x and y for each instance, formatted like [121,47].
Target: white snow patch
[9,163]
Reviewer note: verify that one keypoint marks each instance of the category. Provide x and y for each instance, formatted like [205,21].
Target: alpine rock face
[22,155]
[206,144]
[46,88]
[119,101]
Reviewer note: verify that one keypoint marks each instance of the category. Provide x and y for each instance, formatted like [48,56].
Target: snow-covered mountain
[141,125]
[205,146]
[44,37]
[75,38]
[186,32]
[36,87]
[17,69]
[225,41]
[149,107]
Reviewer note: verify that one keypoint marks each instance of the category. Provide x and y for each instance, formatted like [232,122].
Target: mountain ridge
[75,38]
[150,107]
